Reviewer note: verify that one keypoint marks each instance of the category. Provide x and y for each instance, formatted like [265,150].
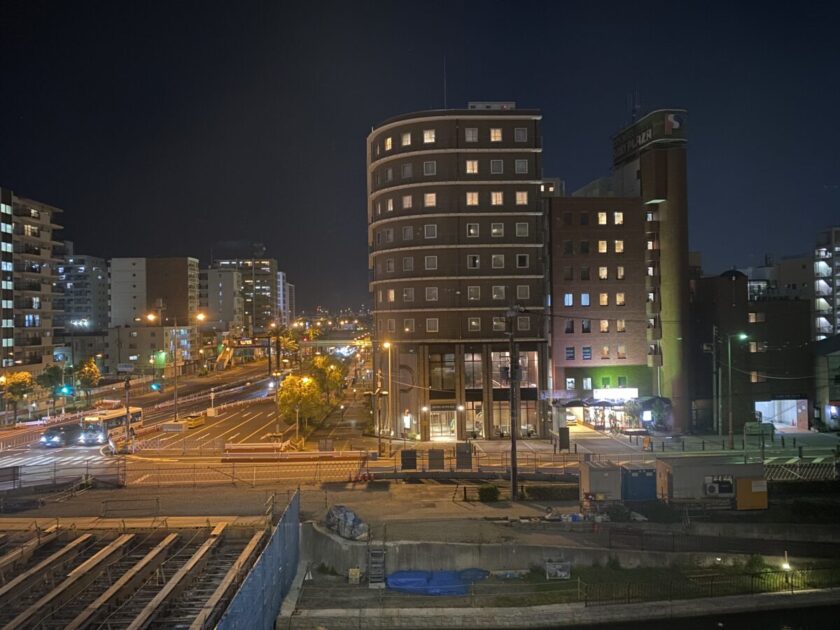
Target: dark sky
[163,128]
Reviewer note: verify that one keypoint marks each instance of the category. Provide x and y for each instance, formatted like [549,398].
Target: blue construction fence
[257,602]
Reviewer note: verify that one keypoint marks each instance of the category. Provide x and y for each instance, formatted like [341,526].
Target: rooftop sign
[663,125]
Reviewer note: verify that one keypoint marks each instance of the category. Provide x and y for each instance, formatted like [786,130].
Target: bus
[106,424]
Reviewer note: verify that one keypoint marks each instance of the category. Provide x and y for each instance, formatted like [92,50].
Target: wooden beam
[71,550]
[25,551]
[205,617]
[178,581]
[76,581]
[126,585]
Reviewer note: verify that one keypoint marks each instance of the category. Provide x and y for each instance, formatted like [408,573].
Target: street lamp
[740,337]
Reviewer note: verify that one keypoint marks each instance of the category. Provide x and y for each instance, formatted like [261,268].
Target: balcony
[654,333]
[652,282]
[654,360]
[652,256]
[29,341]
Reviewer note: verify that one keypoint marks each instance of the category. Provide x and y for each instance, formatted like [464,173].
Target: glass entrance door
[442,425]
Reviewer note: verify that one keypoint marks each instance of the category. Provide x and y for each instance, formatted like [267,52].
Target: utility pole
[715,416]
[127,413]
[513,351]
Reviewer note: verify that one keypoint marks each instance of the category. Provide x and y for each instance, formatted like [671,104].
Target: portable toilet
[638,481]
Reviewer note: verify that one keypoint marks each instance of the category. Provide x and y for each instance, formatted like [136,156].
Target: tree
[329,373]
[50,379]
[18,386]
[89,376]
[289,346]
[298,397]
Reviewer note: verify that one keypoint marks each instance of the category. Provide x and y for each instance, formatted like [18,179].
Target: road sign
[125,367]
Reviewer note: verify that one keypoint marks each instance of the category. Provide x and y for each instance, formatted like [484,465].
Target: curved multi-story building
[456,238]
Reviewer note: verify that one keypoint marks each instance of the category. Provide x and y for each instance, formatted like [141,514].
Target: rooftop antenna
[444,82]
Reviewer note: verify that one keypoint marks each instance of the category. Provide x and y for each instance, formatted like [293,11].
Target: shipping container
[638,482]
[600,481]
[751,494]
[698,478]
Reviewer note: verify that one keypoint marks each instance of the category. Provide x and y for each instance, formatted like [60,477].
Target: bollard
[783,441]
[683,446]
[722,445]
[794,442]
[663,446]
[575,447]
[703,445]
[743,445]
[800,452]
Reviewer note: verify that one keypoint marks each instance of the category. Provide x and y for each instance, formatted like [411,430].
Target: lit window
[428,136]
[520,134]
[406,139]
[408,324]
[570,382]
[430,167]
[472,261]
[497,261]
[618,218]
[473,293]
[407,201]
[472,198]
[496,134]
[407,233]
[497,167]
[619,247]
[621,353]
[651,245]
[378,208]
[619,299]
[605,352]
[620,326]
[757,377]
[496,198]
[430,230]
[521,167]
[474,324]
[568,299]
[651,271]
[431,294]
[497,230]
[499,324]
[602,247]
[522,229]
[521,197]
[604,299]
[619,272]
[388,144]
[584,299]
[498,292]
[431,324]
[523,322]
[604,326]
[472,167]
[587,380]
[408,263]
[389,205]
[522,261]
[651,296]
[472,230]
[570,353]
[603,273]
[602,218]
[523,292]
[430,200]
[431,263]
[755,318]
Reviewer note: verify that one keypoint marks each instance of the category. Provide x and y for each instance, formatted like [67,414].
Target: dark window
[570,353]
[584,218]
[570,326]
[568,248]
[567,218]
[584,247]
[442,371]
[586,325]
[584,272]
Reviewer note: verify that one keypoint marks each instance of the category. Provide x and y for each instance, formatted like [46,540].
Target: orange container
[751,494]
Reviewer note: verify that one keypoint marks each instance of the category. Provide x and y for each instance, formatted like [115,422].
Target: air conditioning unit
[712,489]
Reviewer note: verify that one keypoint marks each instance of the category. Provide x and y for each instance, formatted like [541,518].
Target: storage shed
[600,481]
[699,478]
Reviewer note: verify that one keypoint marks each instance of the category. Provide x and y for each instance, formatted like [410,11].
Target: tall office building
[283,314]
[620,272]
[84,282]
[259,290]
[290,299]
[456,239]
[220,298]
[31,258]
[827,284]
[168,286]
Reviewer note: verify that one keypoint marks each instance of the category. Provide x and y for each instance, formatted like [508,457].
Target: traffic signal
[64,390]
[156,386]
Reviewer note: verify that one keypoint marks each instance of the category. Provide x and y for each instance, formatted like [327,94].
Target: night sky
[165,128]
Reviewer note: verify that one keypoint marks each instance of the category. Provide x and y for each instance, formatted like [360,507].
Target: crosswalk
[50,460]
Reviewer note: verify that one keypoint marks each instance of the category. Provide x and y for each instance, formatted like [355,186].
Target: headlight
[43,438]
[56,438]
[82,439]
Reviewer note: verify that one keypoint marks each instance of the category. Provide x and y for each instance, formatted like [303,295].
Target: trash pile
[346,523]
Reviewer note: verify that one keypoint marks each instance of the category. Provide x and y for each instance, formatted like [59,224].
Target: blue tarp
[434,582]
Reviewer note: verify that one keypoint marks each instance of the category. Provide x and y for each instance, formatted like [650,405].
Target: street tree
[88,376]
[50,379]
[330,373]
[298,397]
[18,386]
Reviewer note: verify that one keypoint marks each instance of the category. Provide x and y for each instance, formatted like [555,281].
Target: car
[195,420]
[61,436]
